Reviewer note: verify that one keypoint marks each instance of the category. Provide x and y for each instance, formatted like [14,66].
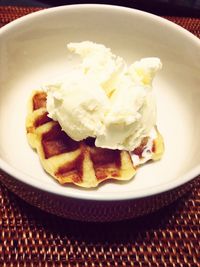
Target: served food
[98,122]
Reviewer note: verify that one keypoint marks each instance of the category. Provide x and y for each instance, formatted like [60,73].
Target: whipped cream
[105,98]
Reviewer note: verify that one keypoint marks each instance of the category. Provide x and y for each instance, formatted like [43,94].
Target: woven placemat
[30,237]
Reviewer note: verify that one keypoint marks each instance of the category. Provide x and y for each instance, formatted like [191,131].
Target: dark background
[159,7]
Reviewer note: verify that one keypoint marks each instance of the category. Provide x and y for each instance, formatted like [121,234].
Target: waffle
[69,161]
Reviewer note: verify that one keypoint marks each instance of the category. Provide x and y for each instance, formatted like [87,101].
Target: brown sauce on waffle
[104,159]
[139,150]
[74,169]
[39,100]
[154,146]
[55,142]
[42,120]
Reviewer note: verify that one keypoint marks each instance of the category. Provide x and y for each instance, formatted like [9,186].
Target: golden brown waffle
[69,161]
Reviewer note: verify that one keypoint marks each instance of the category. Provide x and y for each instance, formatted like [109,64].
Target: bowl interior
[33,51]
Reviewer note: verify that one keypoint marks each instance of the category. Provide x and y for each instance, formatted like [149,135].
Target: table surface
[31,237]
[160,7]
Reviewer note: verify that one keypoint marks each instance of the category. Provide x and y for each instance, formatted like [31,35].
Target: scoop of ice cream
[131,116]
[144,70]
[78,104]
[104,98]
[99,63]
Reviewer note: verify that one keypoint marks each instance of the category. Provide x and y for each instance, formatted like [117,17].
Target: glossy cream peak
[104,98]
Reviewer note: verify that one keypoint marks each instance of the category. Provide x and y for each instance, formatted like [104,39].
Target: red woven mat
[30,237]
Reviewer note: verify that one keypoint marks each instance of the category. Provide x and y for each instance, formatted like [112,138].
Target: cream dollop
[104,98]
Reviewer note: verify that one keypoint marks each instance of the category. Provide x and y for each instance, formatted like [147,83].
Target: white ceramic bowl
[33,49]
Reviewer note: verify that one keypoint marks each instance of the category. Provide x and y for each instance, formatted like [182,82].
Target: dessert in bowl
[97,122]
[33,51]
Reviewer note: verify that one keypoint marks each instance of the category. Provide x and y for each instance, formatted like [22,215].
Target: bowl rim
[105,196]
